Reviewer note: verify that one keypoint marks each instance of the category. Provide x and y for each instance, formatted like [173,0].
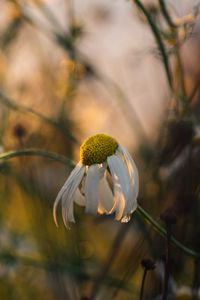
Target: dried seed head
[19,131]
[148,264]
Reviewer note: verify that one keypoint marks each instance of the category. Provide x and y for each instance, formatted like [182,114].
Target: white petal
[67,192]
[106,202]
[68,195]
[79,198]
[122,185]
[133,172]
[68,214]
[92,187]
[119,204]
[118,199]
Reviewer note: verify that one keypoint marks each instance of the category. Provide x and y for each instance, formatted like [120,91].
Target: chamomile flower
[102,162]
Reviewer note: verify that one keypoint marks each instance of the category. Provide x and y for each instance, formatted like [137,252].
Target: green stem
[37,152]
[62,159]
[158,39]
[181,71]
[167,263]
[161,230]
[166,13]
[5,100]
[142,285]
[178,56]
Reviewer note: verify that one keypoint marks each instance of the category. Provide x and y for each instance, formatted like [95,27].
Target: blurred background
[70,69]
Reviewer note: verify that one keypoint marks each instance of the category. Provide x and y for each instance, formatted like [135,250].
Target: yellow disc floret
[97,148]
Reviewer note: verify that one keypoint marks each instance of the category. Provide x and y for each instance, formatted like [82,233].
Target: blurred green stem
[72,85]
[179,95]
[174,30]
[167,263]
[5,100]
[159,41]
[37,152]
[166,14]
[142,285]
[62,159]
[161,230]
[48,14]
[181,71]
[121,234]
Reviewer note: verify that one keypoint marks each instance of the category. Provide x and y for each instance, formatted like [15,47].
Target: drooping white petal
[68,196]
[92,182]
[79,198]
[67,192]
[120,202]
[106,202]
[122,185]
[133,172]
[68,214]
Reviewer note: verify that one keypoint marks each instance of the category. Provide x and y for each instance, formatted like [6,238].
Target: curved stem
[68,162]
[159,41]
[166,14]
[163,233]
[5,100]
[37,152]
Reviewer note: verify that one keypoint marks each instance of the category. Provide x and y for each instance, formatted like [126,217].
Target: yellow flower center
[97,148]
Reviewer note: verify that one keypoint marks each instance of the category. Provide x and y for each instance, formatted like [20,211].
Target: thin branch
[194,91]
[142,285]
[166,14]
[37,152]
[113,252]
[161,230]
[5,100]
[158,39]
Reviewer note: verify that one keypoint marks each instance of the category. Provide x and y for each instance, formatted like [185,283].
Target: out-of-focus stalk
[159,41]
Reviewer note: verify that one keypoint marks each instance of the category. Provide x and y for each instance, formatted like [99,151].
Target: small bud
[168,216]
[89,70]
[148,264]
[19,131]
